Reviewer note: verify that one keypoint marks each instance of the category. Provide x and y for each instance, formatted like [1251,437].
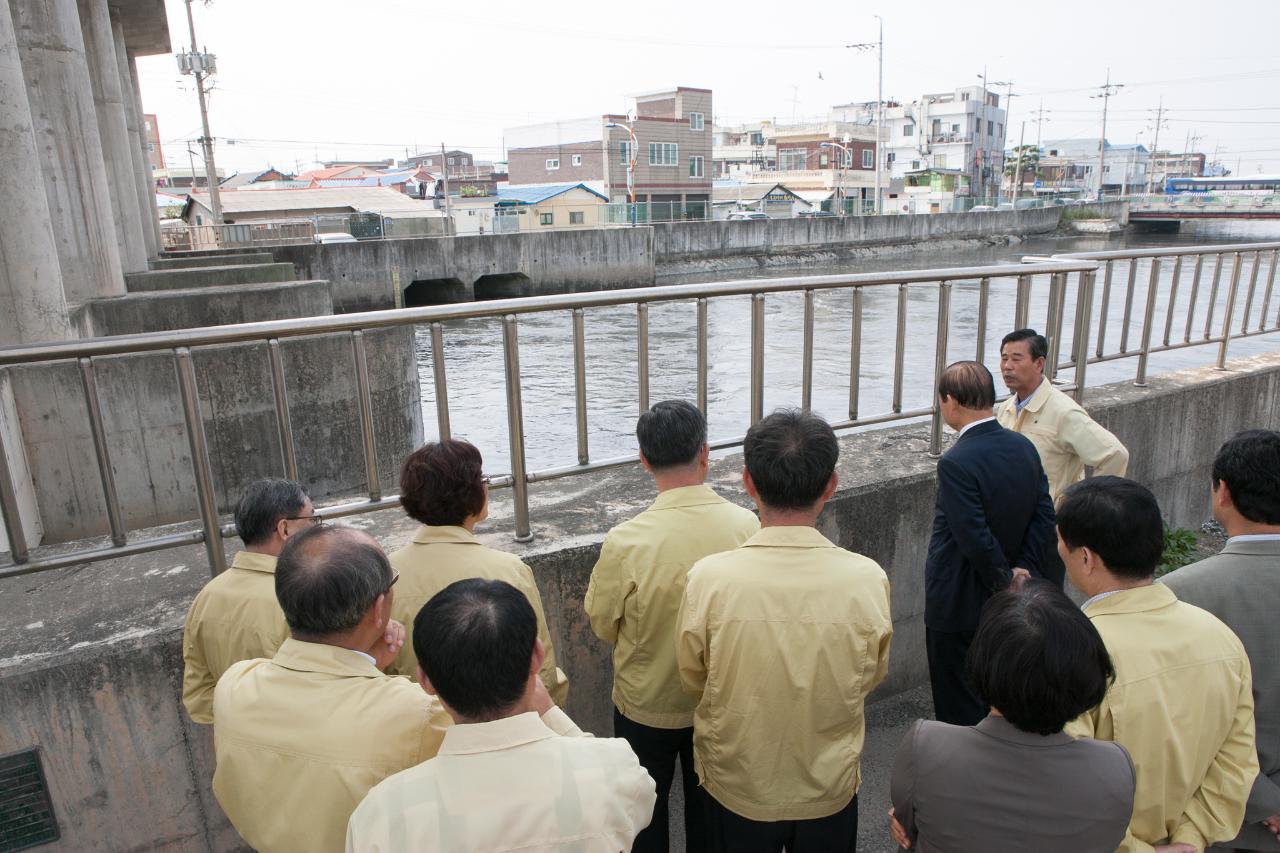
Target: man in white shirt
[1241,586]
[514,771]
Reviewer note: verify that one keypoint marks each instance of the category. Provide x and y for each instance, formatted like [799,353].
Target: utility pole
[880,153]
[1040,114]
[1108,89]
[448,211]
[1008,103]
[1155,144]
[1017,174]
[200,65]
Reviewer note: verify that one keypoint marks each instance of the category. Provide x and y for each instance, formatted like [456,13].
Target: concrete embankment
[90,667]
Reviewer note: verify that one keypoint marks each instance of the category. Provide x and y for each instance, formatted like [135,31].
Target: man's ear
[1222,496]
[831,487]
[749,484]
[644,463]
[538,658]
[282,528]
[425,682]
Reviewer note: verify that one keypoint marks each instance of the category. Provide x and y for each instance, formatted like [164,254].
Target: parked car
[335,237]
[980,208]
[815,214]
[748,214]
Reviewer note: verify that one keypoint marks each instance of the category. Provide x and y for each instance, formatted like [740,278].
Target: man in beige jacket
[302,737]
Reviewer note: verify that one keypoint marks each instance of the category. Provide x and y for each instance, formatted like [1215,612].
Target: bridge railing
[1060,280]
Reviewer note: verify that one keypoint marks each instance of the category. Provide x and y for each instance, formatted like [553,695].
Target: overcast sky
[306,80]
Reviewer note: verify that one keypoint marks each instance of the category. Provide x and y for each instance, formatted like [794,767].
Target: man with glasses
[302,737]
[236,616]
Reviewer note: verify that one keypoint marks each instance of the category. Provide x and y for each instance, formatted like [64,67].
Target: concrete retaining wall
[166,310]
[174,263]
[94,677]
[147,437]
[553,262]
[675,242]
[189,278]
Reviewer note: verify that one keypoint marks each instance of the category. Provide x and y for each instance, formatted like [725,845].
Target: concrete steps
[182,263]
[208,277]
[167,310]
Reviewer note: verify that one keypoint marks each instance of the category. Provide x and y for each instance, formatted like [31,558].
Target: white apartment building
[961,132]
[1124,166]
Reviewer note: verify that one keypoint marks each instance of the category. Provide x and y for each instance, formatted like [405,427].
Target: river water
[473,348]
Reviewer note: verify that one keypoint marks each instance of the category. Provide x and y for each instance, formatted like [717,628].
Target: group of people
[413,701]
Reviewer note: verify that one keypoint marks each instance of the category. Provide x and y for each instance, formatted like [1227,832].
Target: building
[369,164]
[672,159]
[832,155]
[240,206]
[744,148]
[155,154]
[329,173]
[775,200]
[1166,164]
[1075,164]
[254,176]
[436,161]
[182,177]
[937,134]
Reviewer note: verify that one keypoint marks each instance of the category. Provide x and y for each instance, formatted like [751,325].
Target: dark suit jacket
[993,514]
[992,788]
[1241,586]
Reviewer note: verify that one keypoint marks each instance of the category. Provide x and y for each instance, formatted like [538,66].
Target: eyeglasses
[394,578]
[314,518]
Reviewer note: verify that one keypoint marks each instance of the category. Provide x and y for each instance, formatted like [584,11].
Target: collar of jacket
[980,429]
[1140,599]
[685,496]
[1001,729]
[1038,396]
[302,656]
[789,536]
[429,535]
[1254,547]
[465,738]
[251,562]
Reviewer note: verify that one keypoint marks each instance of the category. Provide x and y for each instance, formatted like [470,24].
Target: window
[955,128]
[846,159]
[999,130]
[148,124]
[695,121]
[577,159]
[940,161]
[915,164]
[151,146]
[792,158]
[452,161]
[991,128]
[553,164]
[757,138]
[663,154]
[823,160]
[695,167]
[624,153]
[977,126]
[892,156]
[546,218]
[908,130]
[575,217]
[868,158]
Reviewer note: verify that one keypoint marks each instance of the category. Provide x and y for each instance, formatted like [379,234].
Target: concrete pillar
[51,45]
[104,77]
[129,73]
[32,305]
[143,182]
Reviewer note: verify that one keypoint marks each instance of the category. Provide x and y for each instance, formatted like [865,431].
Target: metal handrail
[211,531]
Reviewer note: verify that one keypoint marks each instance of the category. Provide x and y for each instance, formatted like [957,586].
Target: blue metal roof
[537,194]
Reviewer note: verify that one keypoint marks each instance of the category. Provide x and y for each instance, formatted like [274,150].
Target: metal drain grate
[26,813]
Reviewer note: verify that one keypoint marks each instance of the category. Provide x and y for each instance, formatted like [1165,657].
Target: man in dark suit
[993,522]
[1241,586]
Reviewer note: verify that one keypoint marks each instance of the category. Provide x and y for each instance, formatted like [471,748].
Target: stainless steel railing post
[984,299]
[1103,309]
[1084,296]
[1057,289]
[642,354]
[855,354]
[1148,317]
[580,383]
[1248,300]
[1266,300]
[806,359]
[115,516]
[1195,293]
[899,348]
[515,427]
[364,403]
[1173,299]
[284,424]
[757,358]
[200,460]
[1128,304]
[438,381]
[1022,305]
[939,365]
[1213,297]
[1230,310]
[702,355]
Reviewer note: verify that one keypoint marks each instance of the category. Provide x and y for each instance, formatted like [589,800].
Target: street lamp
[880,155]
[631,166]
[844,154]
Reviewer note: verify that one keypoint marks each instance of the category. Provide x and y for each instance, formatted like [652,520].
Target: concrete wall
[557,262]
[94,677]
[674,242]
[166,310]
[147,437]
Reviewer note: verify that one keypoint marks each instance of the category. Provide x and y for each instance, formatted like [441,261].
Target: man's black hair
[791,455]
[1117,519]
[969,383]
[327,578]
[474,640]
[1249,463]
[671,433]
[1035,341]
[1038,659]
[263,504]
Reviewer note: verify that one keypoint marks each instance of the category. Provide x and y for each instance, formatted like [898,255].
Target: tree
[1030,162]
